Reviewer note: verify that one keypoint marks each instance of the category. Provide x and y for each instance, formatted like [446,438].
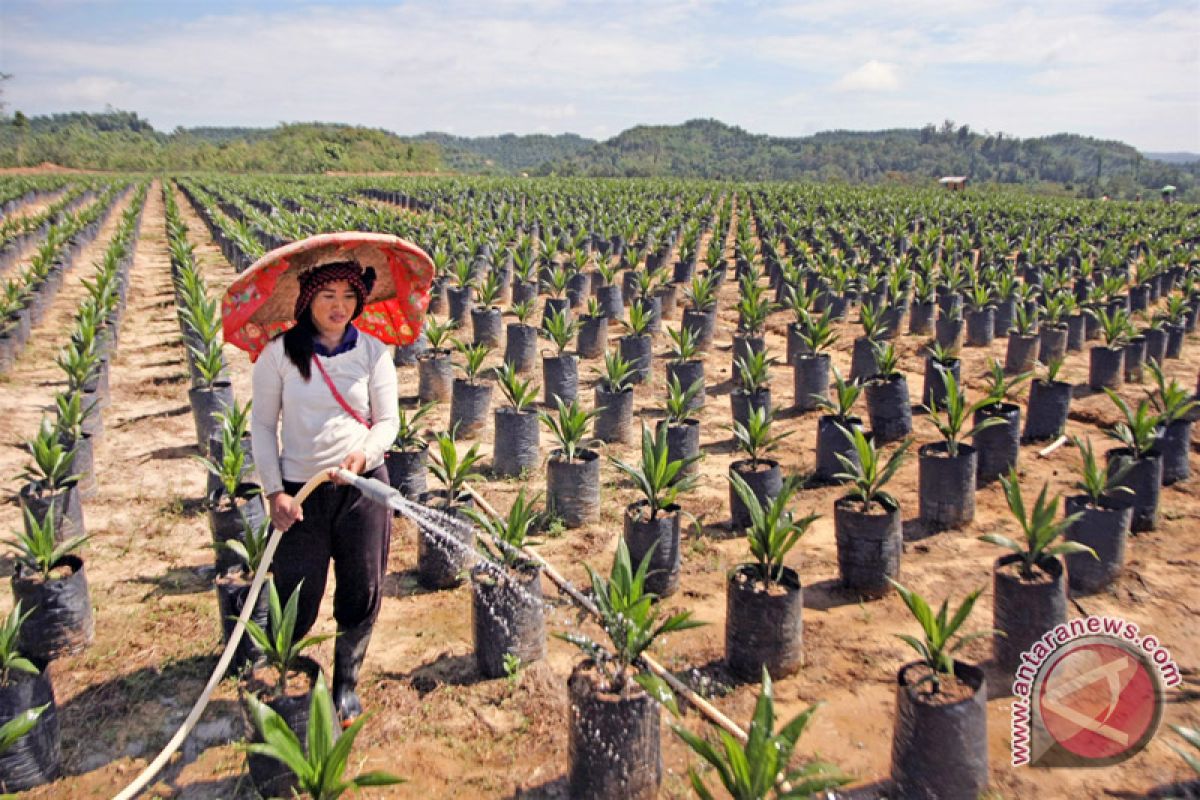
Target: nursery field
[1037,305]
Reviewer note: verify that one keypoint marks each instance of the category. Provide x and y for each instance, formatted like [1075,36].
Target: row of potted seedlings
[28,293]
[52,612]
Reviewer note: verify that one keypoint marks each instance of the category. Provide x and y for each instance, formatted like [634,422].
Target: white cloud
[522,65]
[873,76]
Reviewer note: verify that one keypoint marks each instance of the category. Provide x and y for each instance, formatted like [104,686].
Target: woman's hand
[285,511]
[356,462]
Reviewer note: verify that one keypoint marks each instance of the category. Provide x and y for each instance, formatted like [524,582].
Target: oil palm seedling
[998,446]
[652,523]
[1175,408]
[407,457]
[764,598]
[761,768]
[939,744]
[50,580]
[471,397]
[614,399]
[507,611]
[866,520]
[29,738]
[573,470]
[1138,433]
[614,698]
[318,764]
[516,441]
[1029,583]
[560,371]
[947,469]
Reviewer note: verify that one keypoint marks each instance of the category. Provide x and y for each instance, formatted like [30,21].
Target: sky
[1128,70]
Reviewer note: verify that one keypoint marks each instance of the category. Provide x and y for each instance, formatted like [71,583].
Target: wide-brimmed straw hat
[261,302]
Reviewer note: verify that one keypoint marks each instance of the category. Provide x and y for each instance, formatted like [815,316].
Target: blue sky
[1121,70]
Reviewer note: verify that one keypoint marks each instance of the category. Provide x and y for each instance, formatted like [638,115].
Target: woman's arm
[385,417]
[264,420]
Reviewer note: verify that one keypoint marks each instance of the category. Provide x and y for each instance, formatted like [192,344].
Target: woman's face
[332,307]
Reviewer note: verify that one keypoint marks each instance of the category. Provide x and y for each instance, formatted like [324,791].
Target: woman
[335,389]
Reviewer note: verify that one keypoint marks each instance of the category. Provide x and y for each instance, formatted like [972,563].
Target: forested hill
[121,140]
[711,149]
[507,153]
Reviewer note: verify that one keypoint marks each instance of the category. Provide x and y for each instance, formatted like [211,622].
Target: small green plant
[617,375]
[453,470]
[818,333]
[473,358]
[519,393]
[684,347]
[71,415]
[1170,400]
[11,659]
[944,356]
[560,328]
[512,669]
[753,306]
[209,364]
[522,310]
[630,618]
[569,426]
[869,474]
[593,309]
[999,385]
[281,649]
[1096,482]
[1115,326]
[1024,321]
[462,272]
[886,360]
[489,291]
[773,531]
[408,432]
[556,281]
[229,469]
[1139,430]
[1052,370]
[51,467]
[1039,526]
[438,333]
[658,478]
[253,546]
[845,395]
[679,400]
[940,633]
[956,412]
[761,767]
[755,370]
[637,322]
[37,548]
[508,533]
[755,438]
[872,321]
[319,763]
[701,292]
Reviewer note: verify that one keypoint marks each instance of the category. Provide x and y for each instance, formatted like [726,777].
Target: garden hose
[143,779]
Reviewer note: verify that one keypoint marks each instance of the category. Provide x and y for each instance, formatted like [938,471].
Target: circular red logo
[1096,701]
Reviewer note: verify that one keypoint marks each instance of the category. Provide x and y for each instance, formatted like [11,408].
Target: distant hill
[507,153]
[119,140]
[700,148]
[1174,158]
[711,149]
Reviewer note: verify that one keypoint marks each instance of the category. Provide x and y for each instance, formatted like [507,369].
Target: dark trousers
[341,524]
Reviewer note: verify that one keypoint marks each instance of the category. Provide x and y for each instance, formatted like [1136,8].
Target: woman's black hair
[298,343]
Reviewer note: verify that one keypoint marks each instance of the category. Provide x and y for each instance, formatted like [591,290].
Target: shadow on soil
[403,584]
[552,789]
[137,713]
[174,582]
[178,411]
[445,670]
[172,453]
[827,594]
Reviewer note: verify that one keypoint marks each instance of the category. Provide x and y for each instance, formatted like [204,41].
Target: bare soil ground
[452,734]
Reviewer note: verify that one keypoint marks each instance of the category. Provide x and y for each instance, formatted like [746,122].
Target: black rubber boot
[349,649]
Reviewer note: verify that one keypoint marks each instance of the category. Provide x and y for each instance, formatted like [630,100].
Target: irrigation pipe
[708,709]
[143,779]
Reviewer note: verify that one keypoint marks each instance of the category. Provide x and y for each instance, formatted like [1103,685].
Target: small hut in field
[953,183]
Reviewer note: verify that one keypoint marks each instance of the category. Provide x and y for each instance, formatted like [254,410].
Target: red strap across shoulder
[338,395]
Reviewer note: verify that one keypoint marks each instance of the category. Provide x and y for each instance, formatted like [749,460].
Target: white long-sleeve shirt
[316,432]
